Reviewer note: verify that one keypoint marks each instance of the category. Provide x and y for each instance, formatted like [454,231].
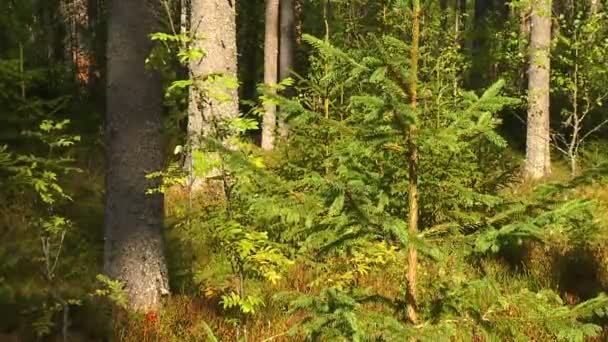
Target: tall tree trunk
[133,220]
[271,55]
[469,26]
[523,13]
[213,23]
[538,161]
[299,21]
[412,264]
[249,52]
[287,39]
[287,49]
[480,64]
[77,45]
[595,6]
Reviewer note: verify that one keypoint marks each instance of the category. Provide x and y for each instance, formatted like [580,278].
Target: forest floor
[576,272]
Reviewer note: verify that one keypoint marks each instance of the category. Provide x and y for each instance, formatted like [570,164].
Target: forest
[303,170]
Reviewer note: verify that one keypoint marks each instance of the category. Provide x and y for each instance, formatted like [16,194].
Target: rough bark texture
[538,161]
[287,50]
[287,39]
[213,23]
[133,220]
[77,46]
[271,54]
[412,189]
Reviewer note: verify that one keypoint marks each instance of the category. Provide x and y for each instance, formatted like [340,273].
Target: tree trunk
[595,6]
[538,161]
[271,54]
[287,39]
[412,264]
[249,51]
[287,49]
[213,23]
[480,64]
[299,21]
[469,25]
[77,45]
[133,220]
[184,8]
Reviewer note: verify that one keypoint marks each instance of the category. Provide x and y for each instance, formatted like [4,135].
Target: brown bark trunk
[133,220]
[413,170]
[271,54]
[538,161]
[77,47]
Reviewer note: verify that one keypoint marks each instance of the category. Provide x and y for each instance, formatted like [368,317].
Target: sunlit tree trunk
[271,55]
[412,277]
[538,161]
[133,220]
[213,24]
[595,6]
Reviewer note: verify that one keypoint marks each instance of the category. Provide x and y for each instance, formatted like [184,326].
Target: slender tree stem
[413,168]
[271,71]
[21,70]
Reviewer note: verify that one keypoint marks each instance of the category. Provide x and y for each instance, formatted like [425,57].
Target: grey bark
[271,54]
[287,49]
[213,24]
[287,38]
[133,220]
[538,160]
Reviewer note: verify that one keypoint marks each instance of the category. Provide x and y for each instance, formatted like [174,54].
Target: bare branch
[595,129]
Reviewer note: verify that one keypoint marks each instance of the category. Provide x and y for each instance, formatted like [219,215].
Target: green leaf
[336,206]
